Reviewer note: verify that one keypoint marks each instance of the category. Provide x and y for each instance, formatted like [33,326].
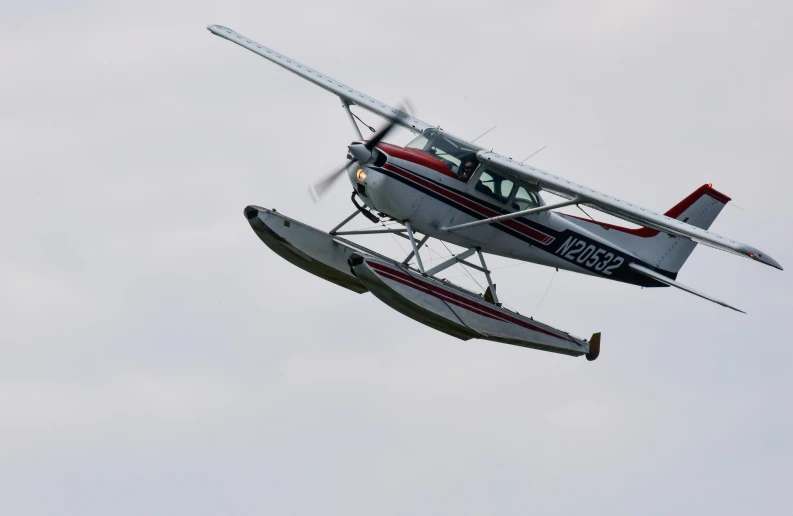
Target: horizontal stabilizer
[672,283]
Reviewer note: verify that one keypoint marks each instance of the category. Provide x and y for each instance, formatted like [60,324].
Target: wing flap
[348,94]
[621,209]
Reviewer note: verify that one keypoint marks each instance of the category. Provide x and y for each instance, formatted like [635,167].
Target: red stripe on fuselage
[456,299]
[513,224]
[417,157]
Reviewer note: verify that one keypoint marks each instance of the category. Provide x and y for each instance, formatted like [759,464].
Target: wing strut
[516,214]
[672,283]
[346,106]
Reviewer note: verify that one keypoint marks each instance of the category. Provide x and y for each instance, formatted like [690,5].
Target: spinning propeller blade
[379,135]
[405,107]
[319,188]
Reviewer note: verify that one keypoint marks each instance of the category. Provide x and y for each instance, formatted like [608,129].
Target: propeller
[361,152]
[318,189]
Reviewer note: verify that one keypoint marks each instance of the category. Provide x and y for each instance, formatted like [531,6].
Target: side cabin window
[494,186]
[525,199]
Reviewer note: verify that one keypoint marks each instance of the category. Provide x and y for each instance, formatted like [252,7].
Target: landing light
[361,174]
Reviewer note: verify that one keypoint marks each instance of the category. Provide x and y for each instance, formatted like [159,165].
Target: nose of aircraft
[360,152]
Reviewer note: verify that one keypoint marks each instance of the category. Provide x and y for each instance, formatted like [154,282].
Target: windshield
[451,151]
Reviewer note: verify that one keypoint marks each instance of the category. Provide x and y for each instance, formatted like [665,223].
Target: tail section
[669,253]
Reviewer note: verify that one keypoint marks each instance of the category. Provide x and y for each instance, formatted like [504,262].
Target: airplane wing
[619,208]
[347,94]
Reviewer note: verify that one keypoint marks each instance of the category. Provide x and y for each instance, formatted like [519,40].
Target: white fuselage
[410,187]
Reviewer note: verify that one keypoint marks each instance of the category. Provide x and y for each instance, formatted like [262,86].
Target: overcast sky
[157,358]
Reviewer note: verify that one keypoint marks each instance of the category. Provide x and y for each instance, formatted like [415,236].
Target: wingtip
[216,29]
[767,260]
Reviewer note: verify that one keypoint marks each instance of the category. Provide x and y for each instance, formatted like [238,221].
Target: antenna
[533,153]
[484,133]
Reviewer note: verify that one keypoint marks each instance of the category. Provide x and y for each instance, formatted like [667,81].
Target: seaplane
[443,187]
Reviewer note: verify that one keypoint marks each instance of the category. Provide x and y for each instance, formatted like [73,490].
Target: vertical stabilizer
[665,251]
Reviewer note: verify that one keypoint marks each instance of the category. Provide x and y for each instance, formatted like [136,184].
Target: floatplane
[443,187]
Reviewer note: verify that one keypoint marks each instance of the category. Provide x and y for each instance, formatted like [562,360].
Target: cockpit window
[451,151]
[494,186]
[419,142]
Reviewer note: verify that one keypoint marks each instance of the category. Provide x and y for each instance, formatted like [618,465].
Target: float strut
[418,246]
[343,222]
[487,275]
[415,246]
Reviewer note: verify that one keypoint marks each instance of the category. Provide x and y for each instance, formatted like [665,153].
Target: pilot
[467,170]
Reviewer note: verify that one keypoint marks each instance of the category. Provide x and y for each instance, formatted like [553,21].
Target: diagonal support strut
[418,246]
[512,215]
[343,222]
[451,261]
